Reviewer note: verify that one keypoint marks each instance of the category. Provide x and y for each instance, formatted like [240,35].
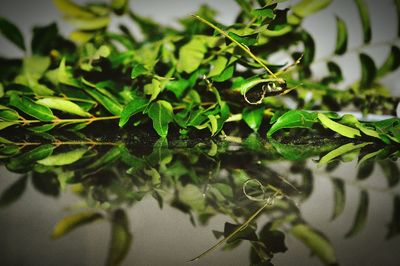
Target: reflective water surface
[84,200]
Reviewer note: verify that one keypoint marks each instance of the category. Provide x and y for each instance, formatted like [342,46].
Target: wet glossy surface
[338,212]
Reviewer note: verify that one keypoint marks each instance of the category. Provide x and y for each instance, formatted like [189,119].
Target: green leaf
[266,11]
[23,162]
[46,183]
[71,222]
[341,36]
[88,24]
[293,119]
[64,158]
[162,114]
[13,192]
[339,128]
[309,48]
[247,40]
[6,124]
[253,117]
[138,70]
[340,151]
[391,172]
[42,128]
[365,169]
[109,157]
[391,63]
[213,124]
[316,242]
[31,108]
[361,215]
[121,238]
[191,55]
[339,197]
[305,8]
[12,33]
[119,6]
[63,105]
[111,105]
[133,107]
[217,66]
[368,71]
[69,8]
[362,8]
[225,75]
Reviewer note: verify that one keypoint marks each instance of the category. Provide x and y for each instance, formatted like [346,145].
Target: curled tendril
[269,87]
[261,187]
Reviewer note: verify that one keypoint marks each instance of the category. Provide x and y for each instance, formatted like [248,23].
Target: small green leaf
[217,66]
[12,33]
[109,157]
[63,158]
[63,105]
[8,114]
[111,105]
[253,117]
[23,162]
[14,192]
[339,195]
[71,222]
[391,63]
[162,114]
[340,151]
[247,40]
[88,24]
[133,107]
[362,8]
[69,8]
[361,215]
[121,238]
[365,169]
[343,130]
[305,8]
[225,75]
[309,48]
[316,242]
[6,124]
[341,36]
[266,11]
[368,70]
[191,55]
[119,6]
[31,108]
[138,70]
[294,119]
[213,124]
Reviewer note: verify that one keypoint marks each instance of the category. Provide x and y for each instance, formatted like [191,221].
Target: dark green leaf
[391,172]
[8,114]
[362,8]
[316,242]
[339,197]
[109,157]
[309,48]
[341,36]
[133,107]
[119,6]
[71,222]
[12,33]
[46,183]
[111,105]
[253,117]
[246,234]
[368,71]
[121,238]
[6,124]
[365,169]
[29,107]
[361,215]
[14,192]
[225,75]
[162,114]
[24,161]
[42,128]
[294,119]
[391,63]
[247,40]
[394,225]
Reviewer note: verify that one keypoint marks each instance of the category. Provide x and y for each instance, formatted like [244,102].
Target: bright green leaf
[133,107]
[64,158]
[253,117]
[293,119]
[346,131]
[31,108]
[71,222]
[305,8]
[162,114]
[63,105]
[191,55]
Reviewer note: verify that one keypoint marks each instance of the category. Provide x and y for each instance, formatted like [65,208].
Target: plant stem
[71,120]
[243,47]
